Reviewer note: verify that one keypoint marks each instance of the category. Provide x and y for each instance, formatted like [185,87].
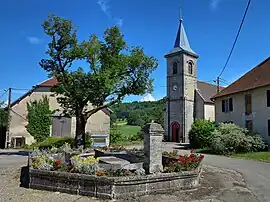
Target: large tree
[113,70]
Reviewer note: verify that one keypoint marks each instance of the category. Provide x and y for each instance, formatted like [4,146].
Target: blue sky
[211,26]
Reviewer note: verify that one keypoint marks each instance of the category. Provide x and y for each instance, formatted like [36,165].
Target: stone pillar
[153,135]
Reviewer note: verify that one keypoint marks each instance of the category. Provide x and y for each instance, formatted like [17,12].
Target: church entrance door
[175,132]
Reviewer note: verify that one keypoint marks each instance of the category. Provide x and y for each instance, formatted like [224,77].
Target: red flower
[58,163]
[201,156]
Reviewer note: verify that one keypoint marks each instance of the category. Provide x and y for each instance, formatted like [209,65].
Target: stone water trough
[155,181]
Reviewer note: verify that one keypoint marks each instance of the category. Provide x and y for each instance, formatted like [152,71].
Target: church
[187,98]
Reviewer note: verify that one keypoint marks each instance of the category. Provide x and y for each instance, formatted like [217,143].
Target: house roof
[206,90]
[48,83]
[257,77]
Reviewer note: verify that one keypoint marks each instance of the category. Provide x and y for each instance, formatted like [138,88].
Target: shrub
[200,133]
[88,140]
[137,136]
[51,142]
[116,137]
[39,120]
[230,138]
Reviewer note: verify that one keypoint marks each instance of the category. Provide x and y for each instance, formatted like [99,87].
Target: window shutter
[223,105]
[268,98]
[268,127]
[230,104]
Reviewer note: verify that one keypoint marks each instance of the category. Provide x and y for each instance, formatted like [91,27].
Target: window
[268,98]
[190,67]
[227,105]
[268,127]
[248,104]
[175,68]
[249,125]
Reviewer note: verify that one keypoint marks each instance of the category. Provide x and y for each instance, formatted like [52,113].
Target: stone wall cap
[152,128]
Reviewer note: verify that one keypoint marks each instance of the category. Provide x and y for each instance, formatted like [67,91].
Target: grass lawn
[257,156]
[127,130]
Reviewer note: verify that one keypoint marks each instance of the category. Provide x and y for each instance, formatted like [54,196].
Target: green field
[127,130]
[257,156]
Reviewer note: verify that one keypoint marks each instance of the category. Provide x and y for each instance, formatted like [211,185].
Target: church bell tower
[181,85]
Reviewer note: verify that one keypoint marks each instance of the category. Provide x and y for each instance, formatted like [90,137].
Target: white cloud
[120,22]
[214,4]
[104,5]
[34,40]
[148,98]
[106,8]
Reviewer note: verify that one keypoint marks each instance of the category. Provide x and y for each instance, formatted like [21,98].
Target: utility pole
[218,84]
[8,121]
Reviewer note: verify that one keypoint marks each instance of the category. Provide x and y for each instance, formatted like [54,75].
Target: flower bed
[176,163]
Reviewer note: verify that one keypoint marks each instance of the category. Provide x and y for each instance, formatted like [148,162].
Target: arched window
[190,67]
[175,68]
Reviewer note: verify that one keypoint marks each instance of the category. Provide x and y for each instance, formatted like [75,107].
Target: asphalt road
[256,174]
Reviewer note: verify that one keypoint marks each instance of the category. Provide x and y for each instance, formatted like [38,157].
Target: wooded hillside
[139,113]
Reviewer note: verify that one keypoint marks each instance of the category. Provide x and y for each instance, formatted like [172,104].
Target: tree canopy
[112,70]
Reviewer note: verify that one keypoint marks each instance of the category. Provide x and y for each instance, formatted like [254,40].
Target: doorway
[175,132]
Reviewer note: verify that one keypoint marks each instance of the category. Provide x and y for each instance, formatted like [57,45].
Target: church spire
[181,42]
[182,39]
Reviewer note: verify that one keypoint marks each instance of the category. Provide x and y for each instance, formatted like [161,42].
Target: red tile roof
[259,76]
[48,83]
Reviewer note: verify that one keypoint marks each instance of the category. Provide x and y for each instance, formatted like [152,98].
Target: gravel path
[216,185]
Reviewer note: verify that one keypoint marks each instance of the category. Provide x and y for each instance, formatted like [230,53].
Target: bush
[88,140]
[116,137]
[229,139]
[51,142]
[200,133]
[136,137]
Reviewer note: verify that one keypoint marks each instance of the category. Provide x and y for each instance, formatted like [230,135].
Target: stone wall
[113,187]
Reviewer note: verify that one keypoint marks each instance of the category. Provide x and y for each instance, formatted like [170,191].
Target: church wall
[209,112]
[199,106]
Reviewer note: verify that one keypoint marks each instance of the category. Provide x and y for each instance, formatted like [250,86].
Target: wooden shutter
[223,105]
[268,98]
[268,127]
[230,104]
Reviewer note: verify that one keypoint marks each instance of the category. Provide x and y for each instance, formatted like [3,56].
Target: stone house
[97,124]
[187,98]
[246,102]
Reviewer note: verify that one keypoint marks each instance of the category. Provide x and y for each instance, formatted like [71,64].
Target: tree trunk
[80,131]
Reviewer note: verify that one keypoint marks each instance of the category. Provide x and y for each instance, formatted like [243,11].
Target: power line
[237,36]
[5,91]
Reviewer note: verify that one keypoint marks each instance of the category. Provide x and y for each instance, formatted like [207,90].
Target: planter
[113,187]
[100,153]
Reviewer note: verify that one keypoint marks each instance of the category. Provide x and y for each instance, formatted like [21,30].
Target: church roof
[207,91]
[181,42]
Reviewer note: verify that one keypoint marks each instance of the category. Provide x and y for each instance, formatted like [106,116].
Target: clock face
[175,87]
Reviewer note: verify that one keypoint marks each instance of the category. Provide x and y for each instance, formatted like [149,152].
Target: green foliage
[134,118]
[140,113]
[3,117]
[51,142]
[116,137]
[39,120]
[136,137]
[113,118]
[114,70]
[230,139]
[201,133]
[88,140]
